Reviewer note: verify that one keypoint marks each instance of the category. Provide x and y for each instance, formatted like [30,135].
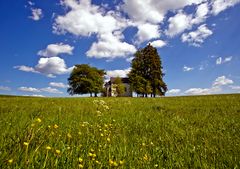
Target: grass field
[173,132]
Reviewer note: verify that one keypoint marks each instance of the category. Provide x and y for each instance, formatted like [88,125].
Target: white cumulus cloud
[85,19]
[222,81]
[51,90]
[158,43]
[29,89]
[178,23]
[56,49]
[221,5]
[48,66]
[118,73]
[196,38]
[5,88]
[36,14]
[58,84]
[147,31]
[174,91]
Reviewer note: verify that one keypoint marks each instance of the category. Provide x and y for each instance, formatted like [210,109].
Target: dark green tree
[85,79]
[146,75]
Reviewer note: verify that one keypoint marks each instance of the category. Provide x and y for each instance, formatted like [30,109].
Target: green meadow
[171,132]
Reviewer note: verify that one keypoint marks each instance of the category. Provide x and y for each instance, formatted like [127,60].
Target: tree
[146,75]
[85,79]
[120,88]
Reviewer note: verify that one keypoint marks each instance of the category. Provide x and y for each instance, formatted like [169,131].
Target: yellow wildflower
[25,143]
[98,162]
[90,154]
[143,144]
[10,161]
[69,135]
[121,162]
[48,148]
[101,135]
[115,164]
[55,126]
[80,159]
[111,162]
[108,139]
[39,120]
[145,157]
[80,166]
[58,151]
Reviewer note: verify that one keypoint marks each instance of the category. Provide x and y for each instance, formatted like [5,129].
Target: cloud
[201,13]
[202,91]
[220,60]
[187,69]
[215,88]
[147,31]
[235,87]
[56,49]
[25,69]
[221,5]
[36,90]
[174,91]
[178,23]
[110,46]
[86,19]
[51,90]
[153,11]
[5,88]
[36,14]
[58,84]
[158,43]
[48,66]
[29,89]
[196,38]
[116,73]
[222,81]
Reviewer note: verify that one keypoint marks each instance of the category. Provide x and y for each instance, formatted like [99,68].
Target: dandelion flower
[80,166]
[145,157]
[143,144]
[39,120]
[101,135]
[111,162]
[121,162]
[55,126]
[80,159]
[108,139]
[115,164]
[48,148]
[58,151]
[25,143]
[10,161]
[90,154]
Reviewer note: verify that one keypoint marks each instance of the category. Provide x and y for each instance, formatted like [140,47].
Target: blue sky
[41,41]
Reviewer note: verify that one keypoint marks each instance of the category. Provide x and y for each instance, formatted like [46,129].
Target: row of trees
[146,76]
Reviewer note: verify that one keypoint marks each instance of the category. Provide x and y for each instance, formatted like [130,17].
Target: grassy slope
[179,132]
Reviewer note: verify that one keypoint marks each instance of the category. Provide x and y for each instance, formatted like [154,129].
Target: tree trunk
[95,94]
[90,94]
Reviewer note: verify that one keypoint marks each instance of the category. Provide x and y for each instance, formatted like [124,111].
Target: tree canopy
[146,75]
[120,88]
[85,79]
